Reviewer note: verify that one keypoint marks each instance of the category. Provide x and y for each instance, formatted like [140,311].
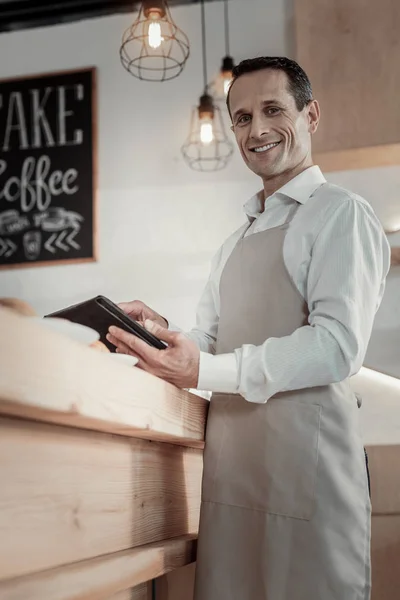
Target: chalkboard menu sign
[47,158]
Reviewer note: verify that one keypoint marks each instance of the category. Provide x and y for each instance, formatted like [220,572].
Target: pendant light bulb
[155,38]
[206,131]
[207,147]
[227,83]
[221,84]
[153,48]
[226,73]
[206,118]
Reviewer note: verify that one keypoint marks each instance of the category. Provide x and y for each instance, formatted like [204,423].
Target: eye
[243,120]
[273,110]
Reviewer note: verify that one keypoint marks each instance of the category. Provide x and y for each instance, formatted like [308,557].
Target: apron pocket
[263,457]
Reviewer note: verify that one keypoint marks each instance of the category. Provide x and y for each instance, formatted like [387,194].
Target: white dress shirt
[337,255]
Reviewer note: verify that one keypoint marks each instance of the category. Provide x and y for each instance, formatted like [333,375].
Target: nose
[259,127]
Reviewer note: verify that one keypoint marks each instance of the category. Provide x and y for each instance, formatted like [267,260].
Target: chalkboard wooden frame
[94,155]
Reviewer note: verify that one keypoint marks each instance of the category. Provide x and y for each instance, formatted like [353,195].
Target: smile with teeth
[265,148]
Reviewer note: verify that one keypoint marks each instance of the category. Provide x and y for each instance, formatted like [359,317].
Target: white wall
[160,222]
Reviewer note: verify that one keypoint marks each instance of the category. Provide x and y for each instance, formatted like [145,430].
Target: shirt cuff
[218,373]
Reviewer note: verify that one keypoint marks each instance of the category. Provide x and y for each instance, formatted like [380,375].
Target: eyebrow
[264,103]
[269,102]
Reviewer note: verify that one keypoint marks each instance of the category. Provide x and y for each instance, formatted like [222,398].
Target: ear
[314,114]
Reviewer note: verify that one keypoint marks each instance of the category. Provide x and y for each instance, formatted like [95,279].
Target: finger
[161,332]
[120,347]
[136,345]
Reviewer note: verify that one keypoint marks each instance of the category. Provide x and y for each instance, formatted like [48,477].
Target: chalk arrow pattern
[71,241]
[48,243]
[7,248]
[61,240]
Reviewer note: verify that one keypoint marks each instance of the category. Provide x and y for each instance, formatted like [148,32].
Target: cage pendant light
[207,147]
[220,85]
[153,48]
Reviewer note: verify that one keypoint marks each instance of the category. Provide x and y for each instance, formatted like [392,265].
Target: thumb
[163,334]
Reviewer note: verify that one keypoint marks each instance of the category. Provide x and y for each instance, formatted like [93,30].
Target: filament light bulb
[154,33]
[227,83]
[206,131]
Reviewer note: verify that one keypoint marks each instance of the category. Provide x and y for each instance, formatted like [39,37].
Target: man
[284,321]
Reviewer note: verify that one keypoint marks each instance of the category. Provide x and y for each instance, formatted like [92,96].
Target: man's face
[272,134]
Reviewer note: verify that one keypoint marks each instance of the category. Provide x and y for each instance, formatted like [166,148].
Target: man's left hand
[178,363]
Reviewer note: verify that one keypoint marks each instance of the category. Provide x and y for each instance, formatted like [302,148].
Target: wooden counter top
[50,378]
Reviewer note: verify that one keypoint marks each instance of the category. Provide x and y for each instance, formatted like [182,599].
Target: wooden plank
[69,495]
[126,595]
[384,467]
[67,383]
[350,51]
[177,584]
[358,158]
[385,557]
[140,592]
[395,257]
[100,578]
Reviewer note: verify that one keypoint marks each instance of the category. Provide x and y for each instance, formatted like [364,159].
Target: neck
[274,183]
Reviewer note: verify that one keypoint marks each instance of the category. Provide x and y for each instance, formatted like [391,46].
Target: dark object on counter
[100,313]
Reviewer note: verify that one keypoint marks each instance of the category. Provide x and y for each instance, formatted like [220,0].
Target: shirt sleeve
[204,334]
[345,285]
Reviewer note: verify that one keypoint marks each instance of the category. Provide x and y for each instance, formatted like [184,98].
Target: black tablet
[100,313]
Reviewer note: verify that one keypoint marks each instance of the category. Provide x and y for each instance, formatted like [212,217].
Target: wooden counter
[380,423]
[100,471]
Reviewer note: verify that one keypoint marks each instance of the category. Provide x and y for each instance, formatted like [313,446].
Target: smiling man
[284,321]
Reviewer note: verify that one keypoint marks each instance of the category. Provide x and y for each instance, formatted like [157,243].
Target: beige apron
[285,510]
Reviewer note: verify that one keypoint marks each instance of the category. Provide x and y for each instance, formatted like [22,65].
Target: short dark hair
[299,83]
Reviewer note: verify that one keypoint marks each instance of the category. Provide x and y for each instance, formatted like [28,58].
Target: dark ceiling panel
[24,14]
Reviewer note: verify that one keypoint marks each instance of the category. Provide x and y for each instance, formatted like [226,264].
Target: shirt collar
[300,188]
